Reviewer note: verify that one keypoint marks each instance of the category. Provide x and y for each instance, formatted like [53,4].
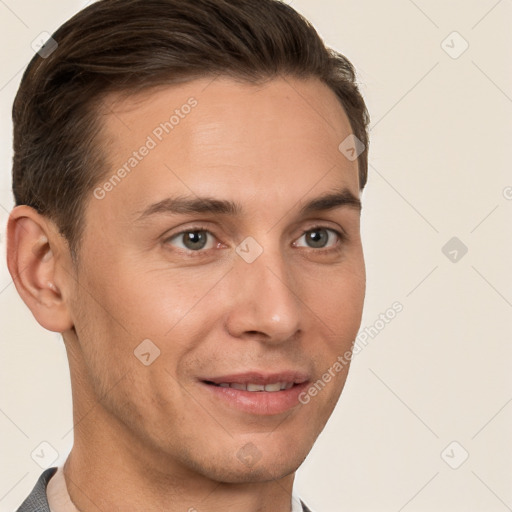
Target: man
[187,177]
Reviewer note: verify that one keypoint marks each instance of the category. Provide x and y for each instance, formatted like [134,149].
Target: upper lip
[257,377]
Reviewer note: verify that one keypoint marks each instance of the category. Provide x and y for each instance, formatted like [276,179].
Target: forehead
[219,136]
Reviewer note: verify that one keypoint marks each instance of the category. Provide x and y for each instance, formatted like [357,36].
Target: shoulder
[36,501]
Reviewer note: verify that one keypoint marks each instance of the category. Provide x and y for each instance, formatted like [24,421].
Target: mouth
[253,387]
[258,393]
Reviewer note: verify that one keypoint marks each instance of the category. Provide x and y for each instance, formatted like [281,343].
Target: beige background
[440,167]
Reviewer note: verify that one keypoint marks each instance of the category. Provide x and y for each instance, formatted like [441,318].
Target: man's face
[269,294]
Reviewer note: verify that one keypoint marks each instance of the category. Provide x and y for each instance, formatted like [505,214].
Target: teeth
[275,386]
[255,387]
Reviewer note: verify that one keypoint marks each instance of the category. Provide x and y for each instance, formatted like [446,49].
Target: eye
[321,237]
[200,240]
[193,240]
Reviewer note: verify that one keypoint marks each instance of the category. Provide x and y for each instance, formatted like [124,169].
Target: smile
[276,386]
[256,392]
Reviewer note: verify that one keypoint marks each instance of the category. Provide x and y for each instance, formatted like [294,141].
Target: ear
[36,254]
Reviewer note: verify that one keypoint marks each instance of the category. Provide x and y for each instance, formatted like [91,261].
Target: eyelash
[342,237]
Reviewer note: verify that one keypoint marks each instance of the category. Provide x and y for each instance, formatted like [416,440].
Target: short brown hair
[132,45]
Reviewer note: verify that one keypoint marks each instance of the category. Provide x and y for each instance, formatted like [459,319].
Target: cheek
[126,360]
[339,306]
[141,317]
[155,300]
[111,322]
[340,297]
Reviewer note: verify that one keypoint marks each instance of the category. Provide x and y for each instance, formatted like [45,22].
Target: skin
[150,437]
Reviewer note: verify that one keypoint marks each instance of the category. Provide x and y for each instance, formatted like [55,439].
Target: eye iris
[194,239]
[318,237]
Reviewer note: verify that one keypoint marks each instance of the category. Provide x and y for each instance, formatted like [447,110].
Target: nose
[265,301]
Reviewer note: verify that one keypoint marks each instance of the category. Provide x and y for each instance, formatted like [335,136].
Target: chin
[246,463]
[262,471]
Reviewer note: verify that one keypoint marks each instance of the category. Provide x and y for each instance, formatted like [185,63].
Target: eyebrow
[184,204]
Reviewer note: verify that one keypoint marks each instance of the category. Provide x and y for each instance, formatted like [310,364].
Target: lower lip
[264,403]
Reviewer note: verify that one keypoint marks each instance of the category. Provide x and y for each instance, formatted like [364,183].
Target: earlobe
[32,244]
